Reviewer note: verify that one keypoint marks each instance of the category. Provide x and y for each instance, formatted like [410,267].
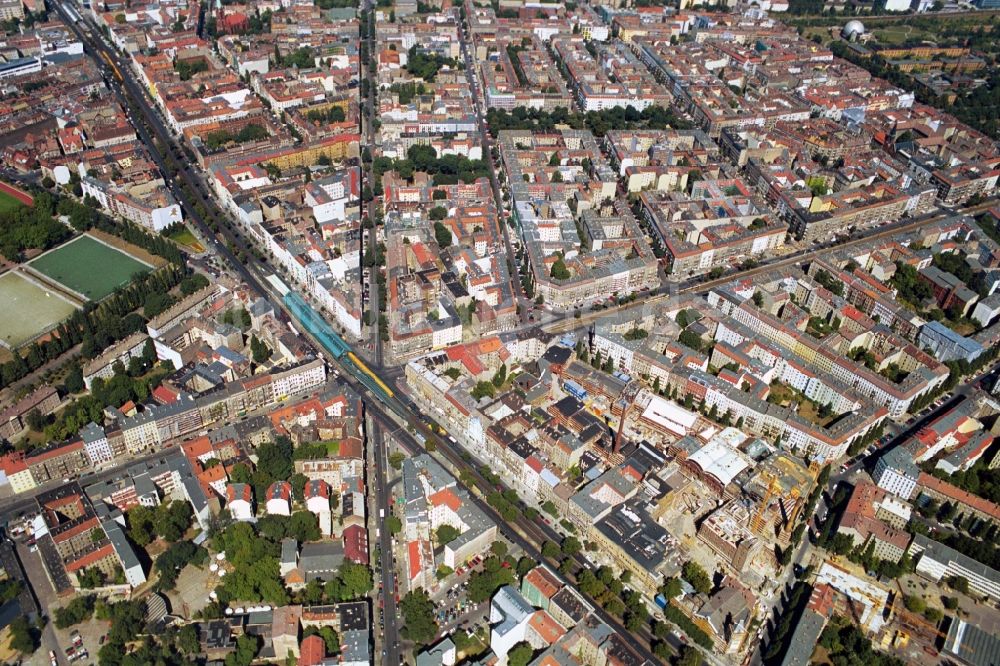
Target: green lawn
[181,234]
[896,34]
[89,267]
[8,203]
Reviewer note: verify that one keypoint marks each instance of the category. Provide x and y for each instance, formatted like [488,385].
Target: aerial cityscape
[500,332]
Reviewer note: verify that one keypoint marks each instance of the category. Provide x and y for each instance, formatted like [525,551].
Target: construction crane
[758,523]
[773,488]
[627,400]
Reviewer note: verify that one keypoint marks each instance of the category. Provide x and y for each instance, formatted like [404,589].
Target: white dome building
[853,29]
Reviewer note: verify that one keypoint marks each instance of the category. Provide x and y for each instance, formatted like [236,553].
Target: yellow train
[360,365]
[112,65]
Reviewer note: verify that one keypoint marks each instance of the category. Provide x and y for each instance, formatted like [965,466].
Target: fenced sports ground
[29,309]
[88,267]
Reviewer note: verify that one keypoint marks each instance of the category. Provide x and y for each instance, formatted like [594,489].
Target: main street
[479,99]
[376,444]
[387,568]
[21,503]
[370,237]
[567,321]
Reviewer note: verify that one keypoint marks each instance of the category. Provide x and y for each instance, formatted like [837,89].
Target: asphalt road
[387,573]
[487,146]
[367,173]
[25,502]
[566,321]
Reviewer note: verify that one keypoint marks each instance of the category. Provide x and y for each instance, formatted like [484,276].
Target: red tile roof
[164,394]
[312,651]
[446,497]
[231,493]
[356,544]
[413,552]
[546,627]
[543,581]
[958,495]
[90,558]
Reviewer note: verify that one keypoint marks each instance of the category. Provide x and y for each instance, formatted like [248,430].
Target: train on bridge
[335,345]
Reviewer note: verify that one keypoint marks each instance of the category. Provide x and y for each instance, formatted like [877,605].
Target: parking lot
[454,610]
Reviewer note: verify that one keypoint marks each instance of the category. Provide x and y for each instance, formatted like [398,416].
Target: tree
[260,351]
[187,640]
[520,654]
[499,548]
[559,270]
[304,526]
[140,525]
[438,213]
[240,473]
[689,656]
[24,638]
[247,646]
[35,420]
[914,604]
[959,584]
[671,588]
[172,520]
[331,640]
[524,565]
[570,546]
[500,376]
[483,390]
[74,379]
[170,563]
[550,551]
[193,284]
[615,606]
[442,235]
[91,577]
[694,574]
[690,339]
[76,611]
[355,580]
[419,625]
[393,524]
[299,482]
[483,584]
[446,534]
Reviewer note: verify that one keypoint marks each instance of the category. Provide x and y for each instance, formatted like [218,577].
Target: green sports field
[88,267]
[29,310]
